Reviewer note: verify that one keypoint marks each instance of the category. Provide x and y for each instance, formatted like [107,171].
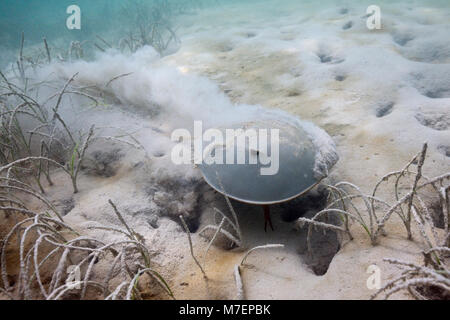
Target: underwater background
[138,70]
[38,19]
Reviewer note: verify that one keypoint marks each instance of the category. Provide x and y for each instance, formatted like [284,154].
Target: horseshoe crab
[306,153]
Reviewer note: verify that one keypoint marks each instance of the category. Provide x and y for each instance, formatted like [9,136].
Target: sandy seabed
[380,94]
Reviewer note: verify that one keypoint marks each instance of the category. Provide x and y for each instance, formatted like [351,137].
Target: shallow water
[379,94]
[38,19]
[313,59]
[317,60]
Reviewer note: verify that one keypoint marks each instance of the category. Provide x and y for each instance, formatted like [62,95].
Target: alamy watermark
[373,17]
[374,280]
[73,280]
[235,147]
[73,22]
